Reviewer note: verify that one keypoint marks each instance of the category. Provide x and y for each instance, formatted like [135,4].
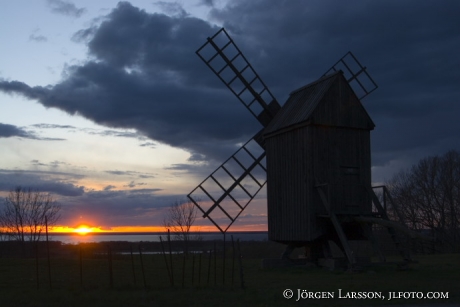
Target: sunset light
[83,230]
[117,115]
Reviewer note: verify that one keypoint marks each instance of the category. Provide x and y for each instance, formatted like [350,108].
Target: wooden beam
[338,227]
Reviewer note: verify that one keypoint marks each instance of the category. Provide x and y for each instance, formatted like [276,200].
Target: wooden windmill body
[313,152]
[321,136]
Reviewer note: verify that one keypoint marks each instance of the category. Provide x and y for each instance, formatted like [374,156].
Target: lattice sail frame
[226,60]
[356,75]
[227,191]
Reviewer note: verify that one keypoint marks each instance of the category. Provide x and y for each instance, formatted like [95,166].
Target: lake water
[154,237]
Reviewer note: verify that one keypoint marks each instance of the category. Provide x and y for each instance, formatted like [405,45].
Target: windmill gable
[329,101]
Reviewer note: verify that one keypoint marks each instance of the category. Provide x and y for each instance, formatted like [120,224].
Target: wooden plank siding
[329,142]
[344,164]
[288,187]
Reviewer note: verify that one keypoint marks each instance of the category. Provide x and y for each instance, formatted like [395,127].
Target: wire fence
[149,265]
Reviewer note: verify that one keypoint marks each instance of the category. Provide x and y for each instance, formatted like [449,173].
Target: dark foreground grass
[209,286]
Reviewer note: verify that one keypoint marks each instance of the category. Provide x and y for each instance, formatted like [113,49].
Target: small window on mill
[350,170]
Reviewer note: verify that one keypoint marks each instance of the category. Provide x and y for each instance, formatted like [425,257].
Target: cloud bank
[142,72]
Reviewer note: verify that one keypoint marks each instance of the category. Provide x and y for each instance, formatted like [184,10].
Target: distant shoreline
[151,233]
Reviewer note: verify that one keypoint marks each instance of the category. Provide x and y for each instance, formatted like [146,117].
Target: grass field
[209,284]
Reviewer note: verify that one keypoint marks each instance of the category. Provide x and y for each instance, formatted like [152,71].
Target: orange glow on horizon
[84,229]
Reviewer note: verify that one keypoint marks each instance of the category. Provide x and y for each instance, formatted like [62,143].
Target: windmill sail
[356,75]
[224,194]
[225,59]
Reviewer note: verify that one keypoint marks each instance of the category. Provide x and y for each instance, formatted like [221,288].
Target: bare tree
[179,219]
[25,213]
[428,196]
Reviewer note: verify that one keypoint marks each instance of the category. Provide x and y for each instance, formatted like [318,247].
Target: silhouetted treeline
[427,197]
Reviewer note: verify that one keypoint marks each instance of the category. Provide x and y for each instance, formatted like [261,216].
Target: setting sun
[85,229]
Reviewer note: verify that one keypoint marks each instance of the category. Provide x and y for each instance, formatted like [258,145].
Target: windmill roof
[302,103]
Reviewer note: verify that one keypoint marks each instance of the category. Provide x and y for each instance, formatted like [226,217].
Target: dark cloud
[37,163]
[56,164]
[152,82]
[117,172]
[143,191]
[179,167]
[171,8]
[133,206]
[41,181]
[109,187]
[133,184]
[37,38]
[144,75]
[66,8]
[209,3]
[148,144]
[108,207]
[146,176]
[198,170]
[408,47]
[53,164]
[125,134]
[7,131]
[118,207]
[130,174]
[53,126]
[130,185]
[50,139]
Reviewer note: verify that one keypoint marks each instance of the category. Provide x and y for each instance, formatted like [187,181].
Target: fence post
[166,262]
[80,256]
[142,266]
[223,263]
[170,258]
[241,263]
[233,260]
[48,251]
[193,267]
[215,263]
[209,264]
[199,268]
[36,265]
[132,263]
[183,271]
[109,257]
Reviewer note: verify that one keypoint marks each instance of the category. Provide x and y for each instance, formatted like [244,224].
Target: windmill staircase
[379,217]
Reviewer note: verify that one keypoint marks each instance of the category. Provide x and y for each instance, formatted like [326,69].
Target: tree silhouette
[179,219]
[25,213]
[428,196]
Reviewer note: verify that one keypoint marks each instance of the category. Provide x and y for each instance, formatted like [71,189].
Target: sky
[105,104]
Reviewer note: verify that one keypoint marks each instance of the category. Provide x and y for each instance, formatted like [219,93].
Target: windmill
[313,152]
